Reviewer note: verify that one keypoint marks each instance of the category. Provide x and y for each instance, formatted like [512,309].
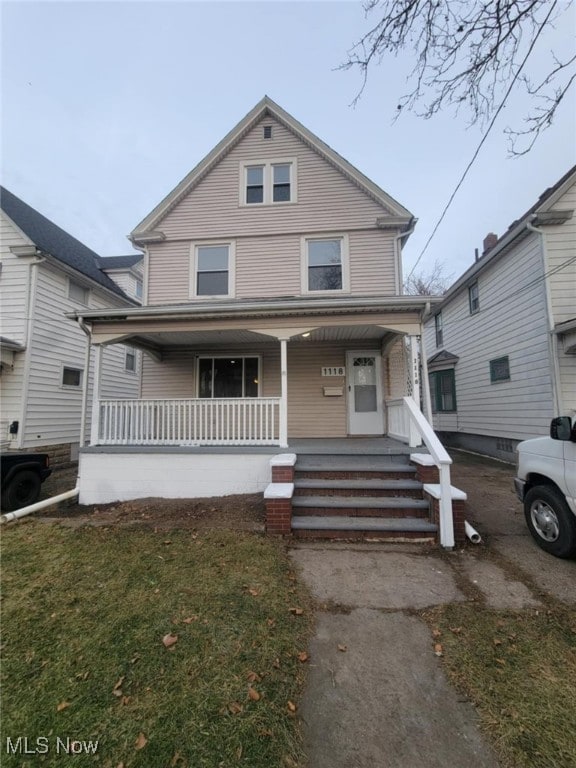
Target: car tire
[550,521]
[22,489]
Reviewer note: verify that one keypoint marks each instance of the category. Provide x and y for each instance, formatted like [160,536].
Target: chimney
[489,242]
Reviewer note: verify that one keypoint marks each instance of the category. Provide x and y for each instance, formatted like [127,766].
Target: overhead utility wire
[479,147]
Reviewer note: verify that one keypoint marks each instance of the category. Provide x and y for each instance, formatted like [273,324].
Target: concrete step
[360,487]
[354,461]
[396,529]
[360,506]
[367,471]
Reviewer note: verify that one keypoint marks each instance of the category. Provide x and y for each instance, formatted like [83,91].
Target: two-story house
[272,322]
[502,344]
[46,272]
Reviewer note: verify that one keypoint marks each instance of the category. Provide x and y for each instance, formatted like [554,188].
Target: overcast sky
[107,106]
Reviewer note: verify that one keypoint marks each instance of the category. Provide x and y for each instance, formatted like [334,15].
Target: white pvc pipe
[472,533]
[9,516]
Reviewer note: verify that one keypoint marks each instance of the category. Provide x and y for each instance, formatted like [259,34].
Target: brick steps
[357,487]
[398,529]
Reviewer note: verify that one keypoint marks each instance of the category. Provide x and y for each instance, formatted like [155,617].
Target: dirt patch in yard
[236,512]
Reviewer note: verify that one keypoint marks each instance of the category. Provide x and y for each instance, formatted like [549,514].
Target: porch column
[283,393]
[414,369]
[95,426]
[425,382]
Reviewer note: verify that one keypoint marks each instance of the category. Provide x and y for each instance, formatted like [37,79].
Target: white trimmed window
[325,264]
[138,288]
[78,293]
[71,377]
[269,182]
[212,270]
[236,376]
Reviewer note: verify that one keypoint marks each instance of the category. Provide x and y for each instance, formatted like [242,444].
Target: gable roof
[539,214]
[267,107]
[55,242]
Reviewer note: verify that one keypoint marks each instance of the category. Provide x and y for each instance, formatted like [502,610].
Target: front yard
[167,649]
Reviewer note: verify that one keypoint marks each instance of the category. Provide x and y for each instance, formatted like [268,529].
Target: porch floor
[360,446]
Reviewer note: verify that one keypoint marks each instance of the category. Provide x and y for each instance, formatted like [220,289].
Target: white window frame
[138,287]
[229,356]
[130,352]
[71,387]
[268,181]
[86,292]
[193,288]
[344,259]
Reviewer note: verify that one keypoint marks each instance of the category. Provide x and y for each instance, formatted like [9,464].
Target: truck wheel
[23,489]
[550,521]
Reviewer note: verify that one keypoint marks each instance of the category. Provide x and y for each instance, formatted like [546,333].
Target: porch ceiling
[233,337]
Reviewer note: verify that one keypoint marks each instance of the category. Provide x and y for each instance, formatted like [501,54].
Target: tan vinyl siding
[268,237]
[310,413]
[326,198]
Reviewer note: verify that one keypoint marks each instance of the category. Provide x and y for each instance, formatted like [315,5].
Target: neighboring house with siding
[46,272]
[273,323]
[502,344]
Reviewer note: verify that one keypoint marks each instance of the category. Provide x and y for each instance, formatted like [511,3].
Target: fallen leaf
[253,592]
[239,753]
[436,633]
[169,640]
[253,677]
[303,656]
[125,700]
[291,706]
[235,708]
[342,648]
[141,741]
[297,611]
[167,542]
[438,650]
[253,694]
[456,630]
[272,623]
[118,683]
[276,663]
[62,705]
[176,759]
[496,641]
[190,619]
[500,661]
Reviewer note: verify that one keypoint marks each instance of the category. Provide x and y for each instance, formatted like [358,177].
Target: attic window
[78,293]
[268,182]
[267,131]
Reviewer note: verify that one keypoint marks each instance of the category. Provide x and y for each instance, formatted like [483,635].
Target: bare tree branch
[465,52]
[432,283]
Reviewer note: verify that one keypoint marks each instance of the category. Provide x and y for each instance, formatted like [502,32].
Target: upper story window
[439,330]
[212,270]
[325,264]
[268,182]
[78,292]
[473,298]
[138,288]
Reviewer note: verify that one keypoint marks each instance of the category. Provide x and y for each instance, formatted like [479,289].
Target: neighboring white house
[502,345]
[46,272]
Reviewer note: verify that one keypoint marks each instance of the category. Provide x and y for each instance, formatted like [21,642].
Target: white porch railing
[406,422]
[230,421]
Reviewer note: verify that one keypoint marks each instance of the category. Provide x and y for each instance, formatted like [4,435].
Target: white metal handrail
[198,421]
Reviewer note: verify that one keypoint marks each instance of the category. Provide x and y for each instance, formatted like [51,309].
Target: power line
[484,137]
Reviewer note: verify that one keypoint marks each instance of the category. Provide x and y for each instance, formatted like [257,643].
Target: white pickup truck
[546,484]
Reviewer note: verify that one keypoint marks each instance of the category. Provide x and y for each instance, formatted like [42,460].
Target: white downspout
[552,338]
[9,516]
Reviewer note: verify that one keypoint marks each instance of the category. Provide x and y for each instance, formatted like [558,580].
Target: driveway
[377,696]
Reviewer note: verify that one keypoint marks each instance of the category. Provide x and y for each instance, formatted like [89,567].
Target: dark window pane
[227,377]
[281,193]
[325,278]
[365,398]
[212,258]
[251,377]
[212,284]
[255,194]
[205,378]
[71,377]
[323,252]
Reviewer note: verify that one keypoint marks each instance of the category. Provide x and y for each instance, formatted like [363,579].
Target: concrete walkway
[377,696]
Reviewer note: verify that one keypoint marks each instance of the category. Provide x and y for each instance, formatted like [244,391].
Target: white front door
[364,381]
